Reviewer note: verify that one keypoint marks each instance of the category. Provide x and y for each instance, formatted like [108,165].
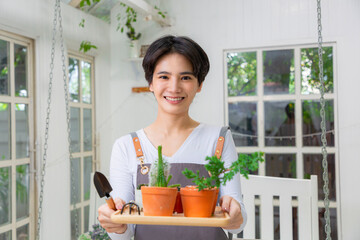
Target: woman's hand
[230,205]
[105,215]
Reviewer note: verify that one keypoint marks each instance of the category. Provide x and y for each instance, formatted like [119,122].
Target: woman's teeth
[173,99]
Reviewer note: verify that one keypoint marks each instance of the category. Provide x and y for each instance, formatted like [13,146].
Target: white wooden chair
[266,188]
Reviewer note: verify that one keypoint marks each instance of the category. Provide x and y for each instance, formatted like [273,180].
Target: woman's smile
[174,100]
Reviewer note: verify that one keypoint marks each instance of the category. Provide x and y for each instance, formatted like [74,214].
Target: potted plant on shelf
[158,198]
[200,200]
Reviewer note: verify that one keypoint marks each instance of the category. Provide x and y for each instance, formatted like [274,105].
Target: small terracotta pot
[215,201]
[197,203]
[158,201]
[178,204]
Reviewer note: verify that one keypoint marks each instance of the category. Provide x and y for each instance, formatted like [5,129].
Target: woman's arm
[232,190]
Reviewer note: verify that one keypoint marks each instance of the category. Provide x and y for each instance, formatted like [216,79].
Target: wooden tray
[220,219]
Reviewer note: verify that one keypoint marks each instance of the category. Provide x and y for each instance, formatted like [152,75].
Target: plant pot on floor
[158,201]
[198,203]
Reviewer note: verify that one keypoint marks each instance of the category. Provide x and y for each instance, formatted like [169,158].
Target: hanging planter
[134,49]
[158,199]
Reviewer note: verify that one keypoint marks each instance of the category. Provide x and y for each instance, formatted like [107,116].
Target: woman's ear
[151,87]
[200,87]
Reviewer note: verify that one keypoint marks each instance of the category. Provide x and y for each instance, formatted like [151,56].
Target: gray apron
[159,232]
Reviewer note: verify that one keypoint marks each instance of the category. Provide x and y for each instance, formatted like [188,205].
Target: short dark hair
[182,45]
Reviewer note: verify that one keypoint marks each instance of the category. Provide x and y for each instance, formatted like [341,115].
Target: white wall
[34,19]
[219,25]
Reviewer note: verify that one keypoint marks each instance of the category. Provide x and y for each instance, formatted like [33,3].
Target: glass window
[313,166]
[280,165]
[280,123]
[22,191]
[76,181]
[278,111]
[86,81]
[311,123]
[22,233]
[241,73]
[87,129]
[75,129]
[74,79]
[5,189]
[4,67]
[243,123]
[5,128]
[20,53]
[279,72]
[22,130]
[87,176]
[5,235]
[78,220]
[310,83]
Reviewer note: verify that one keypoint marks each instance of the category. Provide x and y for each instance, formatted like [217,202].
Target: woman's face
[174,84]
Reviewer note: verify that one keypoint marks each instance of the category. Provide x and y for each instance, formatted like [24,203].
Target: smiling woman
[175,68]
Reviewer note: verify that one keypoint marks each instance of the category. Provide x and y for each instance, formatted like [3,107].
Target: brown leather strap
[139,153]
[220,142]
[137,146]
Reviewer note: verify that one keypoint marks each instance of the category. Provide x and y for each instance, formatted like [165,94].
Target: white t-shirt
[199,144]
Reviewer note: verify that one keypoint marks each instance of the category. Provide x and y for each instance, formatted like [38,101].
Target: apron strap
[139,153]
[220,141]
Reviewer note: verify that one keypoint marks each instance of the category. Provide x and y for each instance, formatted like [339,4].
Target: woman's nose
[175,85]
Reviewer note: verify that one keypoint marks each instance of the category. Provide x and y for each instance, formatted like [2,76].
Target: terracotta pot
[197,203]
[215,201]
[178,204]
[158,201]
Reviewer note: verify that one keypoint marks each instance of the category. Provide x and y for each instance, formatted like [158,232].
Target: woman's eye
[186,78]
[163,77]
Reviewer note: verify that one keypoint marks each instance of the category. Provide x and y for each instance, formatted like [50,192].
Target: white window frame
[13,162]
[297,97]
[84,203]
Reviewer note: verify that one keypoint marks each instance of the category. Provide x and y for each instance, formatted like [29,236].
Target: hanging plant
[126,21]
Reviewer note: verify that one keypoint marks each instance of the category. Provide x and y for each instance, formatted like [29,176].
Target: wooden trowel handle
[110,202]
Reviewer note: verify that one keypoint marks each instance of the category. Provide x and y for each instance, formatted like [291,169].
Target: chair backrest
[266,188]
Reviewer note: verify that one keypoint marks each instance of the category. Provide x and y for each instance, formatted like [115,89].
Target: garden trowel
[103,187]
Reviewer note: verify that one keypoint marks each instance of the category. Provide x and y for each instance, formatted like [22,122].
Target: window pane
[313,166]
[86,218]
[281,165]
[87,129]
[5,138]
[87,176]
[22,233]
[86,81]
[310,70]
[243,123]
[74,79]
[78,220]
[241,71]
[75,129]
[22,191]
[279,72]
[5,236]
[4,67]
[312,120]
[22,130]
[279,123]
[21,86]
[75,181]
[333,223]
[5,197]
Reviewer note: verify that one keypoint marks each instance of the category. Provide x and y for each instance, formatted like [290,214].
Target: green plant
[127,20]
[220,175]
[98,233]
[159,175]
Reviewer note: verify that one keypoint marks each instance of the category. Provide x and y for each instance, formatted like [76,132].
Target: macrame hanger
[57,18]
[323,126]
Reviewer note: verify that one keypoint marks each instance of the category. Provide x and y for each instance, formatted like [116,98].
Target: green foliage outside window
[242,76]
